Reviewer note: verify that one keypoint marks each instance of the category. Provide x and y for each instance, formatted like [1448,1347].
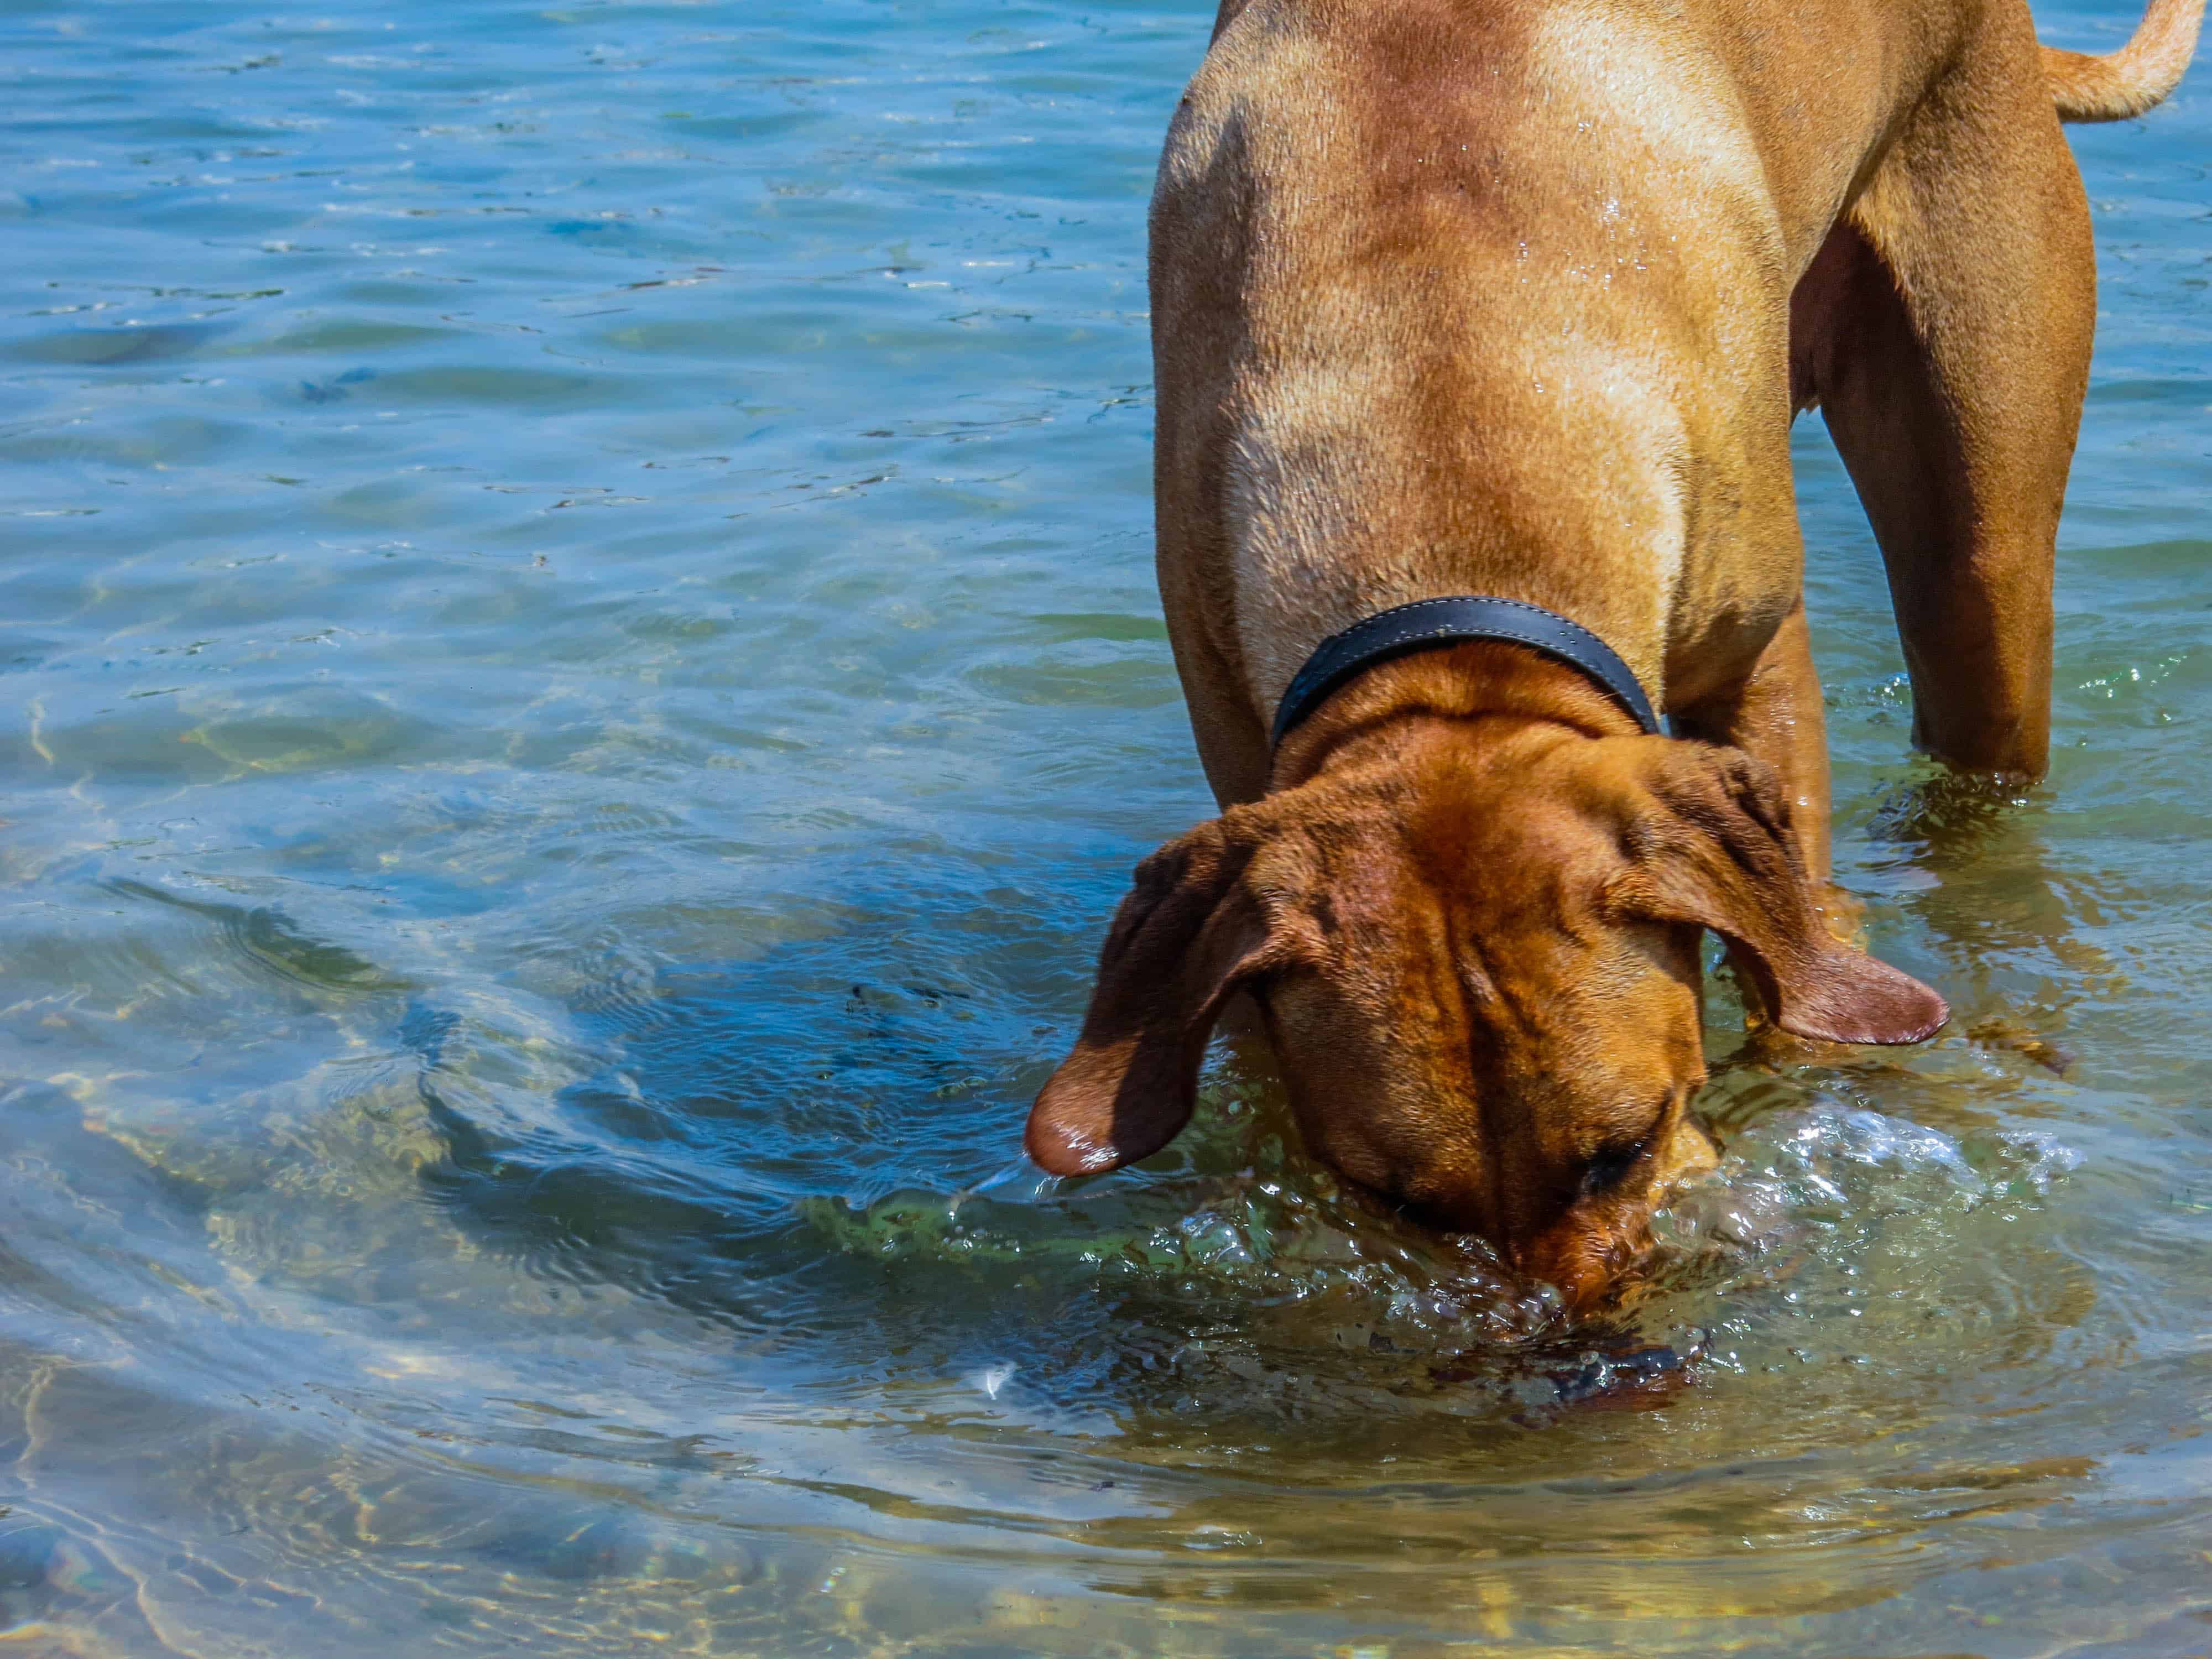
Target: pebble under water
[582,677]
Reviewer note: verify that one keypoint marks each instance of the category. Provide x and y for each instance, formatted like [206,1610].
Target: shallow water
[582,676]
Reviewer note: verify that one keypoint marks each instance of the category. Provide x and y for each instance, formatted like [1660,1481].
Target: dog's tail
[2131,80]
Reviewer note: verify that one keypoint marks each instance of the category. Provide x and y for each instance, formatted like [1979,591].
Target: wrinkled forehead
[1524,972]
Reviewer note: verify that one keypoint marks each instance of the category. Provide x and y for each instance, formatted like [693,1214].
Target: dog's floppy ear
[1715,849]
[1197,923]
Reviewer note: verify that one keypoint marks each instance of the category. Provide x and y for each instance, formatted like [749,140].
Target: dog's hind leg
[1944,329]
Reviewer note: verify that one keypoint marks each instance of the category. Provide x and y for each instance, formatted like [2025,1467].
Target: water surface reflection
[584,676]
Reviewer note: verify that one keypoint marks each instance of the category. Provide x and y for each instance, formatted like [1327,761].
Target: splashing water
[587,676]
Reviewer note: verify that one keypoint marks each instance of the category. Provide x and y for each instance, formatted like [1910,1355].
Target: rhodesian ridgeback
[1518,298]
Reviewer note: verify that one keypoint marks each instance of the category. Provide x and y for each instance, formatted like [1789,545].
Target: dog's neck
[1484,685]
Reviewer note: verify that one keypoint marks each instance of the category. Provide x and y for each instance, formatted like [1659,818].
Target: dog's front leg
[1775,716]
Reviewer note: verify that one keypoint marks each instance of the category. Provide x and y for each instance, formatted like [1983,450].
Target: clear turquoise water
[582,677]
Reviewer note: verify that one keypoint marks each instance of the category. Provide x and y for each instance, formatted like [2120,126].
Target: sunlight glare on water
[583,677]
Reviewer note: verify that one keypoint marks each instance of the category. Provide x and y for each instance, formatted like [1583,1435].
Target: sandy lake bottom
[582,677]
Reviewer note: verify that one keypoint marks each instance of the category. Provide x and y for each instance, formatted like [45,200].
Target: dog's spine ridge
[2139,74]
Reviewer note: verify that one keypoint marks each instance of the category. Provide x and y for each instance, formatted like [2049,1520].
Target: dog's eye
[1611,1167]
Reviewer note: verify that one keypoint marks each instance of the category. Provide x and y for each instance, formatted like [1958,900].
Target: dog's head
[1481,971]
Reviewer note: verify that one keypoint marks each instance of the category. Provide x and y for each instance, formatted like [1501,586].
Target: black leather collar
[1427,624]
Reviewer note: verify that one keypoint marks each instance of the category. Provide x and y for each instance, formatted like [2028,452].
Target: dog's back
[1496,297]
[1439,285]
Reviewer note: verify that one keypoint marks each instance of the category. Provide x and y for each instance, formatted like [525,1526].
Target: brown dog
[1519,298]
